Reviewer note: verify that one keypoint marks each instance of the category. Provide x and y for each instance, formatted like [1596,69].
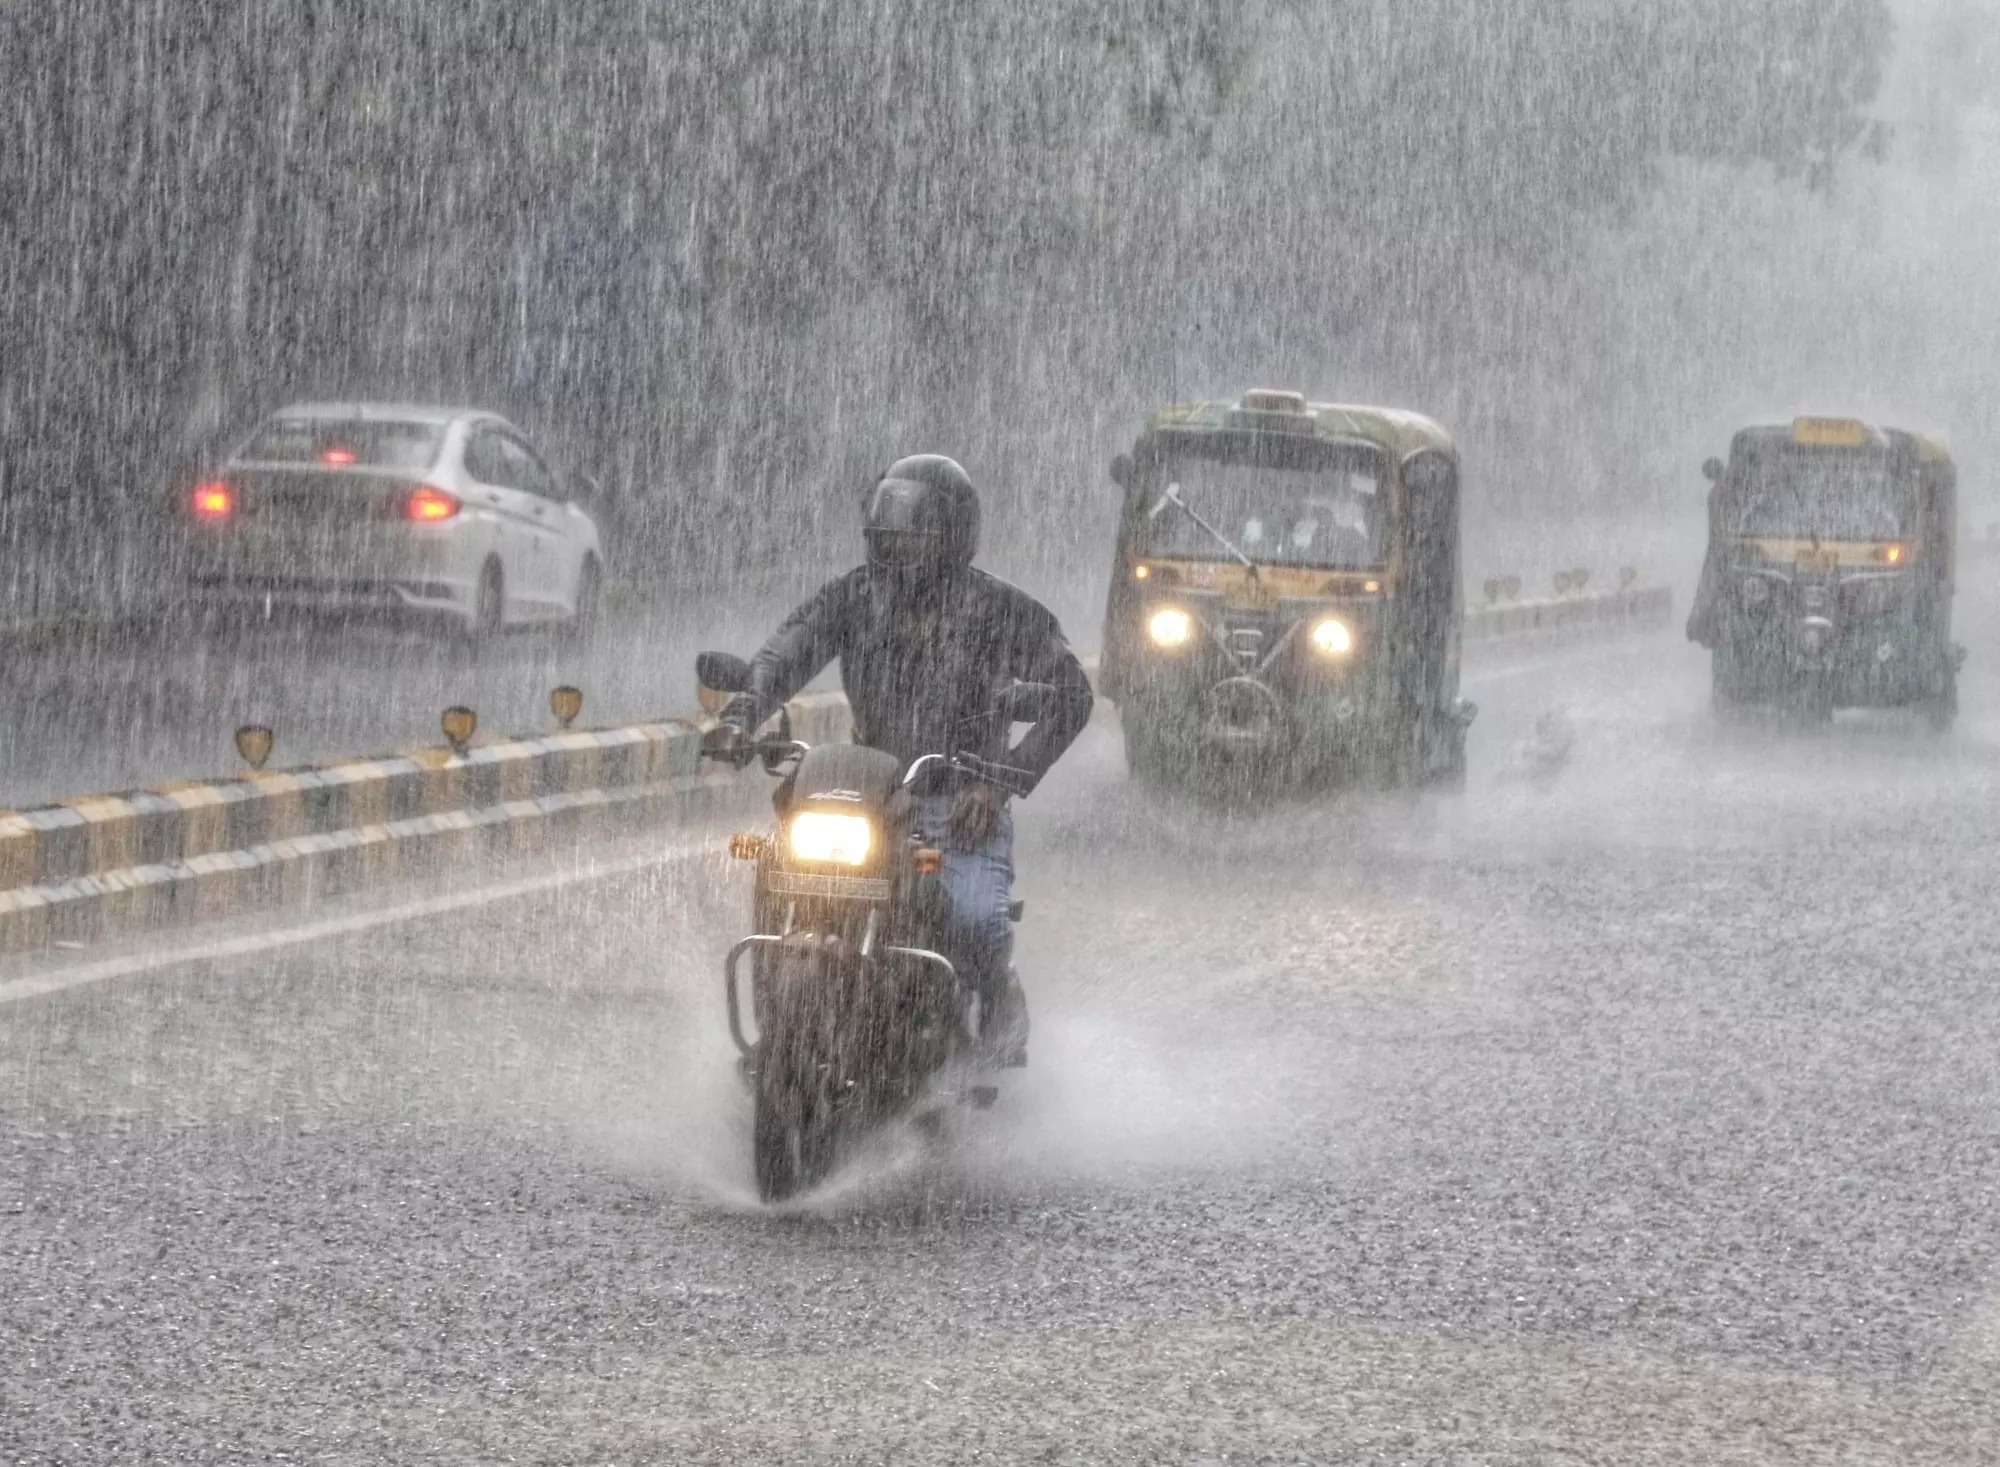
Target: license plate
[858,888]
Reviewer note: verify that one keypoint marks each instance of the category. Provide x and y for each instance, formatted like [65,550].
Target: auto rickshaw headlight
[1756,591]
[1170,627]
[1331,638]
[822,835]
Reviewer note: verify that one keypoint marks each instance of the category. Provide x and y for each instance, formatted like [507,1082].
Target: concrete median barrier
[1635,608]
[89,869]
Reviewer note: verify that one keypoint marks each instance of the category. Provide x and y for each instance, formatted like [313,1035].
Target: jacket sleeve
[797,653]
[1046,658]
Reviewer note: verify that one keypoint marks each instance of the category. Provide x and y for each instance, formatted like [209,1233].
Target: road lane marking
[79,975]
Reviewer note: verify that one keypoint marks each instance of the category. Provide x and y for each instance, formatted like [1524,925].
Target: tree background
[731,256]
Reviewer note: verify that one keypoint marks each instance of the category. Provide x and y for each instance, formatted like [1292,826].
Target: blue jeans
[977,936]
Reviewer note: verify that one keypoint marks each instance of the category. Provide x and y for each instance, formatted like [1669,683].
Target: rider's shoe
[1004,1027]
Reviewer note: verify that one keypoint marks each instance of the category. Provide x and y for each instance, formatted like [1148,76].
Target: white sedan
[355,507]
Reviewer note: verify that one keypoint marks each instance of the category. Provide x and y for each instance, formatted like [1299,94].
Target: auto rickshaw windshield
[1823,496]
[1302,504]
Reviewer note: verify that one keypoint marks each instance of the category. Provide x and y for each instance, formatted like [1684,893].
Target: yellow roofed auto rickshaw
[1285,597]
[1828,578]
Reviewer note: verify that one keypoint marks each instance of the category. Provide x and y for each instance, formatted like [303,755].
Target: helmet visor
[902,547]
[902,523]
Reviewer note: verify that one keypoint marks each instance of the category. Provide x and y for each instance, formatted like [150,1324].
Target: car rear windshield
[1822,494]
[1279,501]
[378,443]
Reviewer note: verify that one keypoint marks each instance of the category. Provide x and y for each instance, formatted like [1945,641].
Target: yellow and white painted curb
[1651,606]
[85,869]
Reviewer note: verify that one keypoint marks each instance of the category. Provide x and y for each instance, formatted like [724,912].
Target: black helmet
[922,514]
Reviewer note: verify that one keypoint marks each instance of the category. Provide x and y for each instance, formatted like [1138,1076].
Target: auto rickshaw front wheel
[1940,709]
[1810,700]
[1729,683]
[1450,776]
[1150,756]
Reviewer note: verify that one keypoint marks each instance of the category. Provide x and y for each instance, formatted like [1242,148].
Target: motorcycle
[856,1013]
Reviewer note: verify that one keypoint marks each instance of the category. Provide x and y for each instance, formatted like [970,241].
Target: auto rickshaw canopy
[1397,431]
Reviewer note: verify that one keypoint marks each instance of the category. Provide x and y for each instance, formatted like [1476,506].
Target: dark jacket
[921,670]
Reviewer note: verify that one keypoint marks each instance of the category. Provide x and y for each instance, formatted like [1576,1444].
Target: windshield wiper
[1173,497]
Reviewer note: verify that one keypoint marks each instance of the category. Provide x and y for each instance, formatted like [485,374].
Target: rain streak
[1130,731]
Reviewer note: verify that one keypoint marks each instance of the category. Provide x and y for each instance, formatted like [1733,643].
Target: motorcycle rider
[925,643]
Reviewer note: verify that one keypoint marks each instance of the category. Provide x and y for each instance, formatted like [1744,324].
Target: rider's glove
[728,743]
[975,813]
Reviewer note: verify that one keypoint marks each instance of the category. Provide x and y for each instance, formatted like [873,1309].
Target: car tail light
[340,457]
[214,500]
[428,504]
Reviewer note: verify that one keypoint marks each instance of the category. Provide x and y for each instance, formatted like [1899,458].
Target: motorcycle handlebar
[772,748]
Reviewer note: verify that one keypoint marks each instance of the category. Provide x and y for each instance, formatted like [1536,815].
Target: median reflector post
[459,723]
[254,743]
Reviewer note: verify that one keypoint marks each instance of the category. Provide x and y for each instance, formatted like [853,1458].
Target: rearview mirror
[1711,470]
[716,676]
[254,742]
[1121,471]
[722,671]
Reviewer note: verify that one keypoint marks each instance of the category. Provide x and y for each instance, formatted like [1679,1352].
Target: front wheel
[1449,775]
[791,1144]
[1941,708]
[1150,758]
[1728,683]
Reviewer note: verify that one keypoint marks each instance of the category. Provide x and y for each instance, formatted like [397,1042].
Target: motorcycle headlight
[1756,591]
[1170,627]
[1331,638]
[821,835]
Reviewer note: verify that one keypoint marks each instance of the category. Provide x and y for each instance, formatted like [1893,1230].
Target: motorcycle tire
[791,1145]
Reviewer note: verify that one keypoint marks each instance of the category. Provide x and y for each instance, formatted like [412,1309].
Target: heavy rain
[1509,960]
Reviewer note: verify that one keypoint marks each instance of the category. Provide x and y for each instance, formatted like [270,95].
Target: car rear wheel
[489,603]
[582,624]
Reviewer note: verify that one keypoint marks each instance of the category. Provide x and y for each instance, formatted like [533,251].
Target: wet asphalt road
[1638,1106]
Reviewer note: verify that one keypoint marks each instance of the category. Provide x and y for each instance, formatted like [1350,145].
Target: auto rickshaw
[1828,578]
[1285,599]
